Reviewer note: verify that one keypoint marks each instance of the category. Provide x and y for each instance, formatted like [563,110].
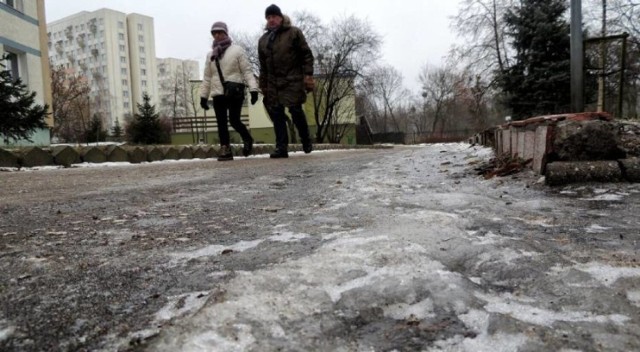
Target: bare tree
[440,87]
[481,23]
[344,53]
[384,86]
[625,14]
[249,42]
[310,25]
[422,116]
[617,16]
[70,104]
[194,102]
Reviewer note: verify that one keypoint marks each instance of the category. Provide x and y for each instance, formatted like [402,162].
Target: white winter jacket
[235,68]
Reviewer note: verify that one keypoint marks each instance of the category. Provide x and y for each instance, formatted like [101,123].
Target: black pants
[279,120]
[229,109]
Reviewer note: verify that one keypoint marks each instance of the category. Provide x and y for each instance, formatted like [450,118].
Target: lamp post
[577,57]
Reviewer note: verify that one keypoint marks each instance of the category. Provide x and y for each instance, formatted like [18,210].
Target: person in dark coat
[286,75]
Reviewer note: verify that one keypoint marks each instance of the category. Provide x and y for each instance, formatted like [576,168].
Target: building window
[120,24]
[13,66]
[123,71]
[143,72]
[126,105]
[125,82]
[144,83]
[122,47]
[141,49]
[16,4]
[125,93]
[121,36]
[139,26]
[141,38]
[123,59]
[143,61]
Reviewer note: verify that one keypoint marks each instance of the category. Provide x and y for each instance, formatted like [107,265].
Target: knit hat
[220,26]
[273,9]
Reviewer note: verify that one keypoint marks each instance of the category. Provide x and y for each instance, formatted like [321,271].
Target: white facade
[115,51]
[176,95]
[22,37]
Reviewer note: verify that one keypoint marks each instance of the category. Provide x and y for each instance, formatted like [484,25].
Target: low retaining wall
[569,148]
[69,155]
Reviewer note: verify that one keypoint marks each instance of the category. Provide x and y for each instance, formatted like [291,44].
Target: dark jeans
[279,120]
[229,109]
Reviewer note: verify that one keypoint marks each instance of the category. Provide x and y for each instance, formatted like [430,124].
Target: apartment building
[115,52]
[177,95]
[23,39]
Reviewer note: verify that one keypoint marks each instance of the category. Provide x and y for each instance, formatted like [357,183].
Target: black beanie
[273,9]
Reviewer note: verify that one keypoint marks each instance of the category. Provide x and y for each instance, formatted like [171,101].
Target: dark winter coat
[283,65]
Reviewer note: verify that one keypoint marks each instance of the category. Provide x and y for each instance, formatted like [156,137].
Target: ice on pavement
[399,263]
[606,274]
[534,315]
[5,331]
[181,304]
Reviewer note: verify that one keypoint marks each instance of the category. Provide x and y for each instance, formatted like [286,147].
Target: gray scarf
[219,48]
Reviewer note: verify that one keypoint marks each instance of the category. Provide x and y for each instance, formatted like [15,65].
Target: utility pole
[603,58]
[577,57]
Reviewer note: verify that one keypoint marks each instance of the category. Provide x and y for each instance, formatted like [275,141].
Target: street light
[577,57]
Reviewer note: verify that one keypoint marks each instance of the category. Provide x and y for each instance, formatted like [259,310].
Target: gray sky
[415,32]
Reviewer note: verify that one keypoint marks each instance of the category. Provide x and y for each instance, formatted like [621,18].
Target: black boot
[248,147]
[279,153]
[307,147]
[225,153]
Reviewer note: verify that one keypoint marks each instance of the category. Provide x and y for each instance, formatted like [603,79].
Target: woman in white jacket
[235,67]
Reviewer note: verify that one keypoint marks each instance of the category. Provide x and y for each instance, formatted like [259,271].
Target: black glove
[254,97]
[204,103]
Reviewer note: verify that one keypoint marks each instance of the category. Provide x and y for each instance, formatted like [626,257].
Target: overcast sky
[415,32]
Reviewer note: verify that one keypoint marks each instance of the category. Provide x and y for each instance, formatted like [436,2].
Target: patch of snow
[420,310]
[606,198]
[595,228]
[218,274]
[6,332]
[544,317]
[478,321]
[506,256]
[212,341]
[606,274]
[215,250]
[540,221]
[288,237]
[178,306]
[489,238]
[634,297]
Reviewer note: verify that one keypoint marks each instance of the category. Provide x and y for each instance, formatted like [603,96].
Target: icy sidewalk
[421,255]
